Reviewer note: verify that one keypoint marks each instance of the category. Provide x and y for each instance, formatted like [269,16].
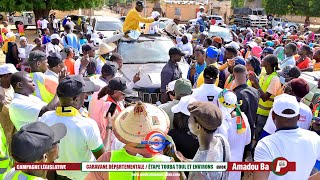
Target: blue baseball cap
[212,52]
[268,50]
[239,60]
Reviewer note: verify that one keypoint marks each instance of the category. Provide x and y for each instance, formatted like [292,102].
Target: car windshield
[220,32]
[108,26]
[145,52]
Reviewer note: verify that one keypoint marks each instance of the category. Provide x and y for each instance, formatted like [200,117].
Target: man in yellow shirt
[133,18]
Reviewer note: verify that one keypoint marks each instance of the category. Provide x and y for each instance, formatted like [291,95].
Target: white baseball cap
[55,36]
[283,102]
[234,44]
[182,106]
[170,86]
[252,44]
[7,69]
[201,7]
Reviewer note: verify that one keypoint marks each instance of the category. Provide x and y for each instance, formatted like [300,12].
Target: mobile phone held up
[112,109]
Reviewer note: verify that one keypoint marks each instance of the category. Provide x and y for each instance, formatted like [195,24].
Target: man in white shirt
[55,25]
[208,91]
[44,24]
[71,23]
[25,108]
[289,50]
[53,46]
[289,141]
[201,11]
[299,88]
[82,142]
[278,28]
[89,29]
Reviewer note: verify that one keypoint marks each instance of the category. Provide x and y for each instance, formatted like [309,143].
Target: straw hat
[135,122]
[106,48]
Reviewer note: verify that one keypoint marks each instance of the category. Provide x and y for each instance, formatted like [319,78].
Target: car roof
[107,19]
[148,37]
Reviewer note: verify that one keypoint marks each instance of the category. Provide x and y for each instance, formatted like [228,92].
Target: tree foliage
[296,7]
[43,7]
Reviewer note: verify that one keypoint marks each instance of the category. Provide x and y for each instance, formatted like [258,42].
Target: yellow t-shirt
[132,20]
[200,80]
[316,66]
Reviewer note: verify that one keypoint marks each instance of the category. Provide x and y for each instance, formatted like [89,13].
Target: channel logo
[155,142]
[281,166]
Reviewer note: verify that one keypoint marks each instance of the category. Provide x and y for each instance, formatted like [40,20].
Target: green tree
[306,8]
[42,7]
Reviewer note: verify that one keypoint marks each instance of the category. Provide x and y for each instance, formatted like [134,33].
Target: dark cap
[211,72]
[72,86]
[35,56]
[299,87]
[87,47]
[290,71]
[109,69]
[268,50]
[54,59]
[140,3]
[176,50]
[32,141]
[208,115]
[119,84]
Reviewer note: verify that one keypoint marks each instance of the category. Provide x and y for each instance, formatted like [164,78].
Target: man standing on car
[133,18]
[170,71]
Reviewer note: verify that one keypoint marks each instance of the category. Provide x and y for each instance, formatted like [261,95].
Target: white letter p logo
[280,164]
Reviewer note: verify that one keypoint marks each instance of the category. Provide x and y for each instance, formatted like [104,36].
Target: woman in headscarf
[10,49]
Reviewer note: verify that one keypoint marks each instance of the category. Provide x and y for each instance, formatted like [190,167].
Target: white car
[219,19]
[107,25]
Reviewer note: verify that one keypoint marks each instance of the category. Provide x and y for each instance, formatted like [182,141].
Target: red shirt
[305,63]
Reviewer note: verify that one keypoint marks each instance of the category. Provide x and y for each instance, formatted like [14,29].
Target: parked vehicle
[220,32]
[27,18]
[219,19]
[312,78]
[148,55]
[249,17]
[283,21]
[106,25]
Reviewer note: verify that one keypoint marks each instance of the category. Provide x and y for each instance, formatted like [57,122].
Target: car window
[220,32]
[217,18]
[277,19]
[145,52]
[108,26]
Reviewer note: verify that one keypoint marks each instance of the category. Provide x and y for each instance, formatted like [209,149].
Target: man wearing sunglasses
[299,88]
[35,143]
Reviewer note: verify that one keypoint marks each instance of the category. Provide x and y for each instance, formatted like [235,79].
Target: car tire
[25,26]
[1,17]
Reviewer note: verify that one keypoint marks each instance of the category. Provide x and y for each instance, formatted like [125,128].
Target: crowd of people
[63,100]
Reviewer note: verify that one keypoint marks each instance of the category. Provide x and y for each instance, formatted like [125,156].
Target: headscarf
[10,38]
[279,52]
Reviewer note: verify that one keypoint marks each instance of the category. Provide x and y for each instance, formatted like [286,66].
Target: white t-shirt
[89,29]
[44,24]
[82,137]
[55,24]
[296,145]
[50,48]
[77,65]
[187,48]
[287,61]
[304,121]
[205,92]
[72,24]
[199,14]
[24,110]
[237,142]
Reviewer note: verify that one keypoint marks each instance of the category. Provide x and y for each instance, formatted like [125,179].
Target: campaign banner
[154,166]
